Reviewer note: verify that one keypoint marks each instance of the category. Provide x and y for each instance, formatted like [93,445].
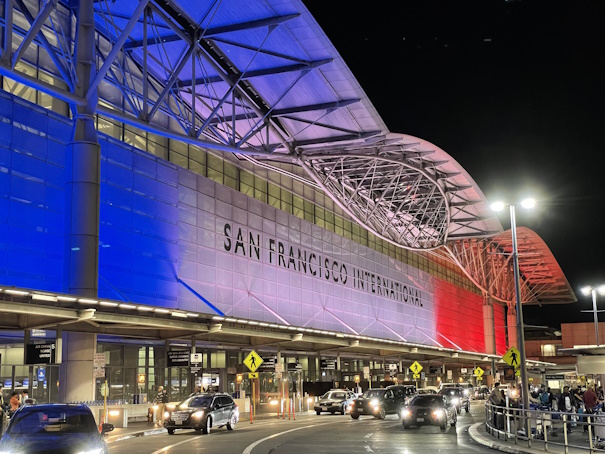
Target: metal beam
[34,30]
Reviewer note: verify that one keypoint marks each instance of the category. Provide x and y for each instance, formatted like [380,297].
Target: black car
[457,397]
[377,402]
[403,392]
[63,428]
[429,409]
[203,412]
[334,401]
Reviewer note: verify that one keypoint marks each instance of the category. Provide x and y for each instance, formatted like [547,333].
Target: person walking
[161,399]
[591,400]
[496,399]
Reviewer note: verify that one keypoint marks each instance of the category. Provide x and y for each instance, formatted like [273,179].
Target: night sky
[514,91]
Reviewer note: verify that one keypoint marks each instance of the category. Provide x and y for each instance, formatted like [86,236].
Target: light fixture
[497,206]
[16,292]
[145,308]
[297,337]
[528,203]
[127,306]
[161,311]
[87,301]
[108,303]
[67,298]
[179,314]
[43,297]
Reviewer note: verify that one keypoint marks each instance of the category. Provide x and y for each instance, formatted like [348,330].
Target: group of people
[17,399]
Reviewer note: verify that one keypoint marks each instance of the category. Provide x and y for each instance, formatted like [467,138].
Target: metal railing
[553,431]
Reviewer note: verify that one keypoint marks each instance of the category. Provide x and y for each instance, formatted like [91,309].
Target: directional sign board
[416,367]
[512,357]
[253,361]
[479,372]
[252,375]
[416,375]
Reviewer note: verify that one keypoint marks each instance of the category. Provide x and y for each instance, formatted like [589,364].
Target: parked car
[334,401]
[54,428]
[203,412]
[377,402]
[482,392]
[429,409]
[457,398]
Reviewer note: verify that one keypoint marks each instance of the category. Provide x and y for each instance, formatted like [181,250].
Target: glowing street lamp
[499,206]
[588,290]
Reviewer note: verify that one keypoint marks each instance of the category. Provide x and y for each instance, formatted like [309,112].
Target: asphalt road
[314,434]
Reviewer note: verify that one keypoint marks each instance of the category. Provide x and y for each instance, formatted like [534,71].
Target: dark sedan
[54,428]
[377,402]
[429,409]
[457,398]
[334,401]
[203,412]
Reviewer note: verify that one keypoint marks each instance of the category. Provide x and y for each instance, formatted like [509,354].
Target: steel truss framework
[254,87]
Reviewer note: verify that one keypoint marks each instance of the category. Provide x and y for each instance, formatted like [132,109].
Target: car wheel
[406,426]
[170,431]
[354,416]
[382,414]
[317,412]
[198,429]
[443,427]
[206,428]
[232,422]
[343,410]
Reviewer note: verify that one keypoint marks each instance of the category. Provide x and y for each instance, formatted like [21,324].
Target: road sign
[252,375]
[253,361]
[279,368]
[99,360]
[98,372]
[512,357]
[479,372]
[416,375]
[197,358]
[416,367]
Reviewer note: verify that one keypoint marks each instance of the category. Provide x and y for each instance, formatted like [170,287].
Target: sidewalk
[143,428]
[578,442]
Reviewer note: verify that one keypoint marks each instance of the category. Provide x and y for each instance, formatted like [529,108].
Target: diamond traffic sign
[512,357]
[479,372]
[253,361]
[416,367]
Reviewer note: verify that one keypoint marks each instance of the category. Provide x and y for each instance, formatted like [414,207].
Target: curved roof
[260,79]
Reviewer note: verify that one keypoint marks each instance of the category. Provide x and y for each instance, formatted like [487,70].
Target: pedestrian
[161,399]
[591,400]
[496,399]
[14,404]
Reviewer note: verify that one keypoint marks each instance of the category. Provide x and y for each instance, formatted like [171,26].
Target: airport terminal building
[213,179]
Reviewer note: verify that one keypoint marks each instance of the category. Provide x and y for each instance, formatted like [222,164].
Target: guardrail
[553,431]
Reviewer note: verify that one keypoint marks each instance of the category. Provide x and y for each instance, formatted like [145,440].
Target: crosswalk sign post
[253,361]
[479,372]
[416,368]
[512,357]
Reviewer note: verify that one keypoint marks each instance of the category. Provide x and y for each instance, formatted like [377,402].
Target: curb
[473,431]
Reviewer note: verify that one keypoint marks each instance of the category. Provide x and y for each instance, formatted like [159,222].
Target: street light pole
[593,292]
[520,331]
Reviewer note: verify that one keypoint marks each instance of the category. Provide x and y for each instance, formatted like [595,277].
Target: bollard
[294,408]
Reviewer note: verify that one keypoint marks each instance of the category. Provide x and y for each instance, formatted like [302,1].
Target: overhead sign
[327,364]
[252,375]
[296,367]
[178,358]
[253,361]
[40,354]
[416,367]
[555,377]
[478,372]
[463,370]
[268,363]
[512,357]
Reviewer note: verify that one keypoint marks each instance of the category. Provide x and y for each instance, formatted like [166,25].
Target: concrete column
[489,325]
[511,325]
[59,345]
[76,383]
[26,340]
[338,371]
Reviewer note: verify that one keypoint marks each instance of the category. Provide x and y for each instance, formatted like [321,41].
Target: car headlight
[406,413]
[377,408]
[455,401]
[198,414]
[170,407]
[374,402]
[466,392]
[439,413]
[166,415]
[350,407]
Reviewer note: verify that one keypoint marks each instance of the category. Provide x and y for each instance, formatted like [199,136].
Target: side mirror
[106,427]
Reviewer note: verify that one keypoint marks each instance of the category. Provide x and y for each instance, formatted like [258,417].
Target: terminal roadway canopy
[261,80]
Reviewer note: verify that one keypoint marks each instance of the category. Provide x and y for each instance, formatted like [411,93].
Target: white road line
[368,435]
[249,448]
[166,448]
[368,449]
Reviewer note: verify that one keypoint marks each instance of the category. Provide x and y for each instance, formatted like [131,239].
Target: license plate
[324,408]
[419,419]
[178,422]
[360,410]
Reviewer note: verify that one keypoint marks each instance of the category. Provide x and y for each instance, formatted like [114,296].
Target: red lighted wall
[500,327]
[459,317]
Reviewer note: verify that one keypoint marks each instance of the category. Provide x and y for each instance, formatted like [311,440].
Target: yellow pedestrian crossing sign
[416,367]
[253,361]
[252,375]
[416,375]
[479,372]
[512,357]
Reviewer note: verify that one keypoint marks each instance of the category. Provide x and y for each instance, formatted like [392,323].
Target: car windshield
[196,401]
[334,395]
[44,421]
[453,392]
[427,400]
[373,393]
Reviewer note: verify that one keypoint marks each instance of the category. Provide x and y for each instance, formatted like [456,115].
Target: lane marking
[368,449]
[368,435]
[166,448]
[250,447]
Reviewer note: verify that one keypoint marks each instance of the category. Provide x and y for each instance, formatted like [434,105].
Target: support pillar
[76,382]
[489,325]
[511,325]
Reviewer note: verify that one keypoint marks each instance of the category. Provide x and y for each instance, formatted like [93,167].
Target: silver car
[334,401]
